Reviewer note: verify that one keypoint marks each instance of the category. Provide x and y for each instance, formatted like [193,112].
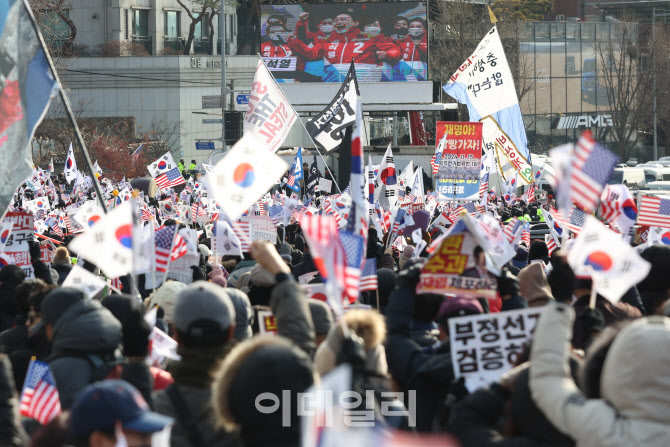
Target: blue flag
[26,88]
[295,173]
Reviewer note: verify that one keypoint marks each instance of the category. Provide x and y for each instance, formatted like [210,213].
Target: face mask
[273,36]
[372,30]
[327,29]
[415,32]
[401,31]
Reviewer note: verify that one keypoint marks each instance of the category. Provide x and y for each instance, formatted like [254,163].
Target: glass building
[560,93]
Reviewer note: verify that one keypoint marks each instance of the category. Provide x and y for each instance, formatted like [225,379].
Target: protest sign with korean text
[262,229]
[16,242]
[458,172]
[444,271]
[484,346]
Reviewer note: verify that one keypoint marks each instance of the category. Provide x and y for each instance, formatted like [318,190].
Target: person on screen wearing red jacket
[414,64]
[347,43]
[302,32]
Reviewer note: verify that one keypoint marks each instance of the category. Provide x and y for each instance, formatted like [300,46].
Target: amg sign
[574,122]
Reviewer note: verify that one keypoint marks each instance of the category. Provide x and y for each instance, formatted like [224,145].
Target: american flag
[290,181]
[170,178]
[551,243]
[136,154]
[165,249]
[353,248]
[529,195]
[592,167]
[511,228]
[276,213]
[321,234]
[369,275]
[654,211]
[483,185]
[242,230]
[147,215]
[576,220]
[525,234]
[470,207]
[55,229]
[39,397]
[194,211]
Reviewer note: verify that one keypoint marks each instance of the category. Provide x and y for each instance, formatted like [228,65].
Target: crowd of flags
[122,233]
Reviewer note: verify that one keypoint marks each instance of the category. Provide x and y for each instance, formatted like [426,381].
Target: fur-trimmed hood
[369,325]
[265,365]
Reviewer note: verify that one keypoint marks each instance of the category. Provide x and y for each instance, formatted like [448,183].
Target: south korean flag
[162,165]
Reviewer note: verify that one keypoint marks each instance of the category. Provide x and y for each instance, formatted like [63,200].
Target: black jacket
[83,337]
[11,431]
[428,374]
[63,270]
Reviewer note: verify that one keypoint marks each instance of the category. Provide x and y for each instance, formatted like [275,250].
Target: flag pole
[68,109]
[303,126]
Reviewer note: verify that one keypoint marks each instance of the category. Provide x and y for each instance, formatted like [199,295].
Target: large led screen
[317,42]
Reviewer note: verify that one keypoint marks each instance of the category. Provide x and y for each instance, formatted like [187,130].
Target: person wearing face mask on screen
[311,70]
[303,33]
[414,47]
[400,28]
[372,30]
[275,50]
[345,43]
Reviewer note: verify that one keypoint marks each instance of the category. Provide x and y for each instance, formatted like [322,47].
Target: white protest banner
[82,279]
[267,324]
[485,84]
[325,185]
[262,229]
[270,115]
[484,346]
[180,269]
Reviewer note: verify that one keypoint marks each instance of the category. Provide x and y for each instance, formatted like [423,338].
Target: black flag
[327,128]
[312,179]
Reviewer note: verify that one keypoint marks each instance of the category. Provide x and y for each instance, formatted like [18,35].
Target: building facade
[160,26]
[561,91]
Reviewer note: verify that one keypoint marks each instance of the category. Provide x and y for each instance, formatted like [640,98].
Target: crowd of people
[593,375]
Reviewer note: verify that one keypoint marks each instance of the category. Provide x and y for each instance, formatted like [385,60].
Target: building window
[54,29]
[125,23]
[140,22]
[172,24]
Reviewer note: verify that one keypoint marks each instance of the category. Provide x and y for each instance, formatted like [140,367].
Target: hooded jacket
[409,365]
[635,388]
[84,335]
